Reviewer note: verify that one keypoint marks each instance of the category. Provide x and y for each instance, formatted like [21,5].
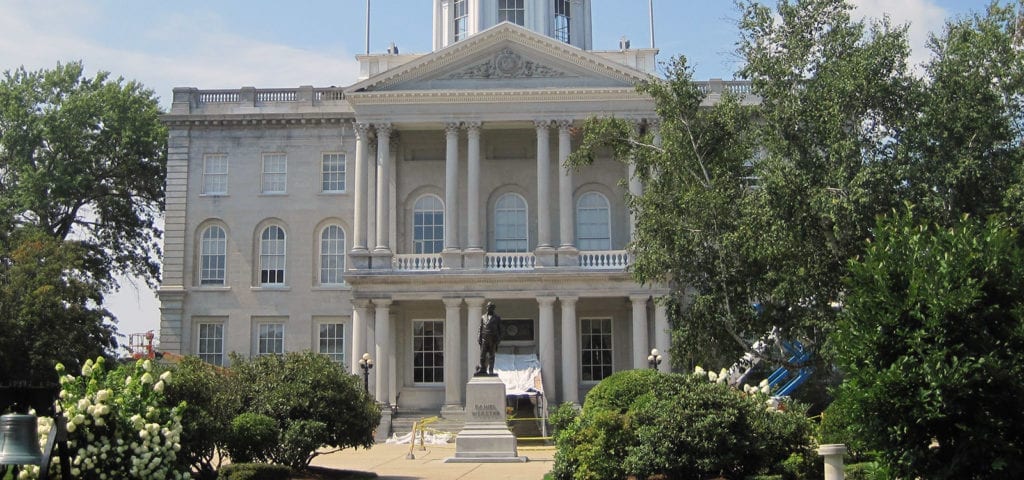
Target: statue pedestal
[486,437]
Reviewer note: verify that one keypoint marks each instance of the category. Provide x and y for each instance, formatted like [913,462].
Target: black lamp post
[366,363]
[654,359]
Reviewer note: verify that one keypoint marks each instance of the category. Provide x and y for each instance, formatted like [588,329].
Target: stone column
[474,310]
[452,353]
[635,189]
[662,336]
[474,248]
[570,352]
[383,189]
[360,314]
[546,344]
[567,253]
[451,186]
[359,221]
[641,346]
[384,348]
[544,252]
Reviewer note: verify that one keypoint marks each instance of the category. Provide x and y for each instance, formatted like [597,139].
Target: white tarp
[429,438]
[520,373]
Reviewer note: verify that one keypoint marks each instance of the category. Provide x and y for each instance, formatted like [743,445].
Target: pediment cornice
[499,39]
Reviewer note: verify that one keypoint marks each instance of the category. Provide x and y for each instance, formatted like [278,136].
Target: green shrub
[299,442]
[252,437]
[307,386]
[254,471]
[643,423]
[206,417]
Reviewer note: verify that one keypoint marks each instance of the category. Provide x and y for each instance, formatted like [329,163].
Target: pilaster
[453,381]
[570,351]
[641,347]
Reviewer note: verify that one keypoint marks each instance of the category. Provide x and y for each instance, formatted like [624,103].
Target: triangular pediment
[506,57]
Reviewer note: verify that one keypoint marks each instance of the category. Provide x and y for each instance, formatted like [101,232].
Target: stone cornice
[250,119]
[492,37]
[419,97]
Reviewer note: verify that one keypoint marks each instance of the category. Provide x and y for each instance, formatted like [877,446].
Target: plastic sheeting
[520,373]
[430,438]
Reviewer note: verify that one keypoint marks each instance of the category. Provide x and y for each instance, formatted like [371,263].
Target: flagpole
[650,9]
[368,27]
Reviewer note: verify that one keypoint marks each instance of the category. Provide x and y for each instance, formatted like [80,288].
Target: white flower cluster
[117,430]
[720,377]
[760,388]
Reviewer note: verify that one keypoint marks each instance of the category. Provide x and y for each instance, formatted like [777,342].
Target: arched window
[593,229]
[332,255]
[428,225]
[272,256]
[510,232]
[212,256]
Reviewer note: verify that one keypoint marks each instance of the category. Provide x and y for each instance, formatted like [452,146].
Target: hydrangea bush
[117,426]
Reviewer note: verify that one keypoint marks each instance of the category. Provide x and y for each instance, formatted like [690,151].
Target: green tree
[931,341]
[690,223]
[82,160]
[49,309]
[300,391]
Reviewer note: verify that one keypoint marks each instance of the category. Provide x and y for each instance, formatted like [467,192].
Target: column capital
[475,302]
[452,302]
[568,299]
[473,126]
[383,129]
[382,302]
[639,298]
[542,124]
[546,300]
[452,127]
[564,125]
[361,303]
[361,129]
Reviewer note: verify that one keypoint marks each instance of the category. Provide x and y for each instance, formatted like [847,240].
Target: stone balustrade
[604,260]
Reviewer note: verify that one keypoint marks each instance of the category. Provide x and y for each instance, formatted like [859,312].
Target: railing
[738,87]
[276,95]
[417,262]
[604,259]
[509,261]
[218,96]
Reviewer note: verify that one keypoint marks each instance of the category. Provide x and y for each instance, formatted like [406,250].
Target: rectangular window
[210,348]
[460,11]
[332,173]
[563,19]
[270,339]
[215,174]
[428,351]
[275,172]
[595,349]
[511,11]
[332,341]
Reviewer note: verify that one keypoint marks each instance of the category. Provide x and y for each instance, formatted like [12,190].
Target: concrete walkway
[389,463]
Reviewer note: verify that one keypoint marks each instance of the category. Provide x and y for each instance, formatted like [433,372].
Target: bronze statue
[489,338]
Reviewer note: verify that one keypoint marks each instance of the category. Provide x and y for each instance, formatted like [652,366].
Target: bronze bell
[19,440]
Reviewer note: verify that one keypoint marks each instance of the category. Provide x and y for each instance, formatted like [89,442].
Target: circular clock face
[512,330]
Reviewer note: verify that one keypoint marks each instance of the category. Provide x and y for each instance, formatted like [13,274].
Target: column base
[473,258]
[383,431]
[453,411]
[568,256]
[360,259]
[545,256]
[451,259]
[381,259]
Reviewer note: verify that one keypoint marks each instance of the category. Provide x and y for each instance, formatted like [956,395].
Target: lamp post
[366,363]
[654,359]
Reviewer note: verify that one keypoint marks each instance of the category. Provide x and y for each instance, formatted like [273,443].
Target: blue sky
[235,43]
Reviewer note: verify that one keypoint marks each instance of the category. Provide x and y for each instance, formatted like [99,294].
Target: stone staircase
[402,422]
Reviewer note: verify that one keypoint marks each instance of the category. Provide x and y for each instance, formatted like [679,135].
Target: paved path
[389,462]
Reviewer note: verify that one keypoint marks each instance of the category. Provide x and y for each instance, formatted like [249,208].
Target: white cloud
[176,50]
[923,16]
